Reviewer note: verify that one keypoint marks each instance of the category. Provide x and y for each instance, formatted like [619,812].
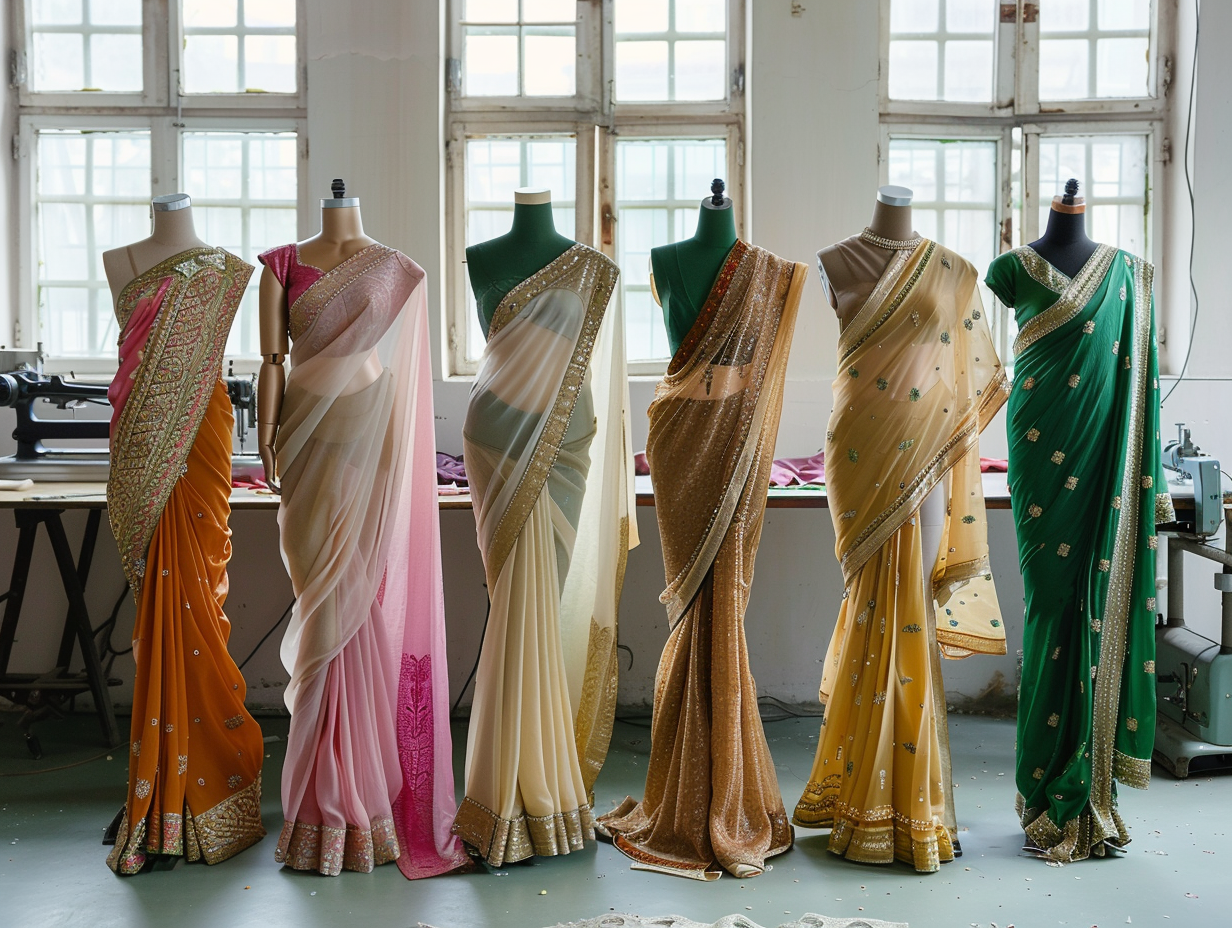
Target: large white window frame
[1016,106]
[596,120]
[162,111]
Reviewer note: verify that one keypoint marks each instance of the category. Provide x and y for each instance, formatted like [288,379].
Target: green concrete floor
[1175,873]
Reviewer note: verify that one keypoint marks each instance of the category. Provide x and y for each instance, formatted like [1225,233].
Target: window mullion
[1030,183]
[1026,89]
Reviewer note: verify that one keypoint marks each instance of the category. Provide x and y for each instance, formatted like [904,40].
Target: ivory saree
[1088,489]
[368,774]
[194,772]
[548,456]
[918,381]
[712,798]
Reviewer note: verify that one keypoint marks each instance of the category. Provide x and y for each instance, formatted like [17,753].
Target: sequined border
[847,344]
[329,850]
[312,302]
[504,841]
[1076,296]
[1039,270]
[714,299]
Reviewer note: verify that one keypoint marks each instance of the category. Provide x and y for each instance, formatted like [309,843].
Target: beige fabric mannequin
[173,233]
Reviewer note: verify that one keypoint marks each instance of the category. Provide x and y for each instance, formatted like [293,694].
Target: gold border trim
[1076,296]
[922,255]
[1040,270]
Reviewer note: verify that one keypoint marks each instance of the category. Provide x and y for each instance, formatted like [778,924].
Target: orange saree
[194,781]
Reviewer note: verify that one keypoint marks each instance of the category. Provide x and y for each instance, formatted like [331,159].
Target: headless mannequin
[341,237]
[683,274]
[500,264]
[1065,244]
[173,233]
[850,270]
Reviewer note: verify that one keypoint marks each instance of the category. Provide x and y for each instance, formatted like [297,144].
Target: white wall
[375,117]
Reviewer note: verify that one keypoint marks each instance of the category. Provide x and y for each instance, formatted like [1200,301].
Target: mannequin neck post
[341,224]
[716,227]
[892,222]
[1065,230]
[532,222]
[173,226]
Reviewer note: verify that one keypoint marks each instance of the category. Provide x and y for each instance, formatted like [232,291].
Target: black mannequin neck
[1065,244]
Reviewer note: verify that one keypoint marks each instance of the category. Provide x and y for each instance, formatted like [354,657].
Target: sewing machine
[1193,674]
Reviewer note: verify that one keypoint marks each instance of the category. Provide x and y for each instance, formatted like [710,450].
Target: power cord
[286,612]
[478,654]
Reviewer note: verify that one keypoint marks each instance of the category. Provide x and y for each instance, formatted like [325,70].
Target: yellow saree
[918,380]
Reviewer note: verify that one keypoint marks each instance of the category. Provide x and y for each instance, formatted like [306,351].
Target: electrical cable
[1193,226]
[30,773]
[286,612]
[478,654]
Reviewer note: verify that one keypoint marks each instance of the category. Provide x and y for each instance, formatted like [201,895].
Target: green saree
[1087,490]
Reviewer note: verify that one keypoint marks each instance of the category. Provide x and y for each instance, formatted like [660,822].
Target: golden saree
[712,799]
[918,380]
[547,453]
[195,752]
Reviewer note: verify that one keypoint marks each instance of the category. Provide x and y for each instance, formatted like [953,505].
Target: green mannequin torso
[685,271]
[500,264]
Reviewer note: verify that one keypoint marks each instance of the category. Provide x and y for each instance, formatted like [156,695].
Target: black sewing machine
[34,460]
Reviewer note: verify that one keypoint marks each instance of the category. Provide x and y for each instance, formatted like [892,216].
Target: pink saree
[368,776]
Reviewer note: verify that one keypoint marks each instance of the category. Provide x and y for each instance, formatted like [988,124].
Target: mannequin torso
[173,233]
[498,265]
[851,268]
[683,273]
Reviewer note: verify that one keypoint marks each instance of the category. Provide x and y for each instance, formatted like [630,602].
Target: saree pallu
[1088,489]
[548,456]
[712,797]
[918,381]
[368,774]
[195,752]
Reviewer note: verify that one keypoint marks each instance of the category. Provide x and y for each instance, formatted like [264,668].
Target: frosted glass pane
[115,62]
[484,224]
[641,15]
[490,65]
[971,233]
[1122,67]
[269,62]
[1116,172]
[1063,69]
[63,252]
[1066,15]
[700,70]
[210,13]
[641,171]
[272,169]
[119,224]
[66,314]
[549,11]
[968,71]
[701,15]
[697,165]
[214,167]
[551,66]
[58,62]
[1125,14]
[913,70]
[971,16]
[115,12]
[61,164]
[55,12]
[493,170]
[269,13]
[913,15]
[122,167]
[970,172]
[645,334]
[641,71]
[913,164]
[211,64]
[640,230]
[553,165]
[490,11]
[221,226]
[268,228]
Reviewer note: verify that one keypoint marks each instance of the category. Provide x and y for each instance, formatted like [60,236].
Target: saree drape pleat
[548,457]
[918,381]
[368,775]
[1088,489]
[712,798]
[195,752]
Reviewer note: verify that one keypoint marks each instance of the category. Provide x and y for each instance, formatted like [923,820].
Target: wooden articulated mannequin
[1065,244]
[172,234]
[341,236]
[500,264]
[682,274]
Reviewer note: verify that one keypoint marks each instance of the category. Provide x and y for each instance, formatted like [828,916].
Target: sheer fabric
[1088,489]
[368,775]
[712,798]
[548,457]
[195,752]
[918,380]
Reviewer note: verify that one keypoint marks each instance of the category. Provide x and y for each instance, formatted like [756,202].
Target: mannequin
[173,233]
[682,274]
[1065,244]
[341,236]
[500,264]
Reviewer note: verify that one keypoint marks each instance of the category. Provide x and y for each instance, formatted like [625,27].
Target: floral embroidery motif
[1054,720]
[1148,666]
[142,789]
[910,746]
[1128,363]
[913,394]
[945,338]
[967,520]
[879,698]
[912,628]
[904,445]
[137,748]
[1074,380]
[1029,383]
[1150,604]
[1104,564]
[1058,457]
[1093,670]
[235,721]
[234,780]
[1116,502]
[1089,326]
[1131,724]
[181,764]
[1147,483]
[1071,482]
[1116,347]
[1063,549]
[1152,542]
[882,383]
[1039,773]
[853,455]
[1097,626]
[853,372]
[995,623]
[975,314]
[1056,652]
[968,324]
[1033,434]
[1035,511]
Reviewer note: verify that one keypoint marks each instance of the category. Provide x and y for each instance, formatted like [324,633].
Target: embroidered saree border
[183,360]
[1039,270]
[718,290]
[585,262]
[330,850]
[505,841]
[312,302]
[848,342]
[1077,294]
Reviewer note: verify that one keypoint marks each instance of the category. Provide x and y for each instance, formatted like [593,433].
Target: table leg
[28,527]
[84,559]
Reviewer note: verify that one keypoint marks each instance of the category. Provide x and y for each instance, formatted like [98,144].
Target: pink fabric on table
[132,344]
[994,465]
[786,472]
[294,276]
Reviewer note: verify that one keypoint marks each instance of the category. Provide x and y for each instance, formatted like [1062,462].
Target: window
[108,95]
[988,108]
[626,110]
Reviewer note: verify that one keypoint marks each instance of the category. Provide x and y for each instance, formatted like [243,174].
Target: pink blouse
[294,276]
[132,346]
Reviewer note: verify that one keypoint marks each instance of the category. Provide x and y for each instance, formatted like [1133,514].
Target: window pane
[968,71]
[1125,14]
[1123,67]
[1084,57]
[551,65]
[660,184]
[942,50]
[86,45]
[641,71]
[490,11]
[642,15]
[1112,173]
[700,68]
[92,193]
[549,11]
[1066,15]
[913,70]
[239,46]
[1064,69]
[657,63]
[490,64]
[914,16]
[979,16]
[701,16]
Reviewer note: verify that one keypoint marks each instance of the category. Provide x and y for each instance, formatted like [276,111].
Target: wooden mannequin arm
[272,379]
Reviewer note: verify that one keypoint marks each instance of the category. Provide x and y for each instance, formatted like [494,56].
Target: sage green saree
[1087,489]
